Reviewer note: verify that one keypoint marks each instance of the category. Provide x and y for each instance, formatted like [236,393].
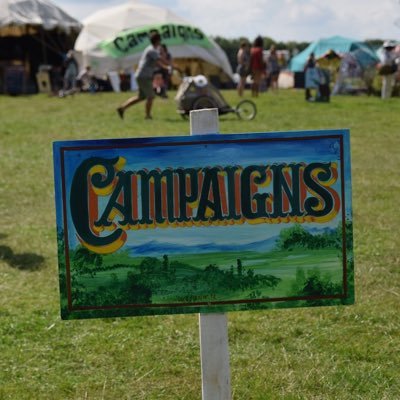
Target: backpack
[387,69]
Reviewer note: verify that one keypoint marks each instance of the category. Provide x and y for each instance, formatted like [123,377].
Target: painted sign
[133,41]
[207,223]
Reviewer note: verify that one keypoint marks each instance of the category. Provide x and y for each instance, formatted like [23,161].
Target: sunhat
[389,44]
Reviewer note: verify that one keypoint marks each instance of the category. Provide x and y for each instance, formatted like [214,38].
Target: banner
[204,224]
[133,41]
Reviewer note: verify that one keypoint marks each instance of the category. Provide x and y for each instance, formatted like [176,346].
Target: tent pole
[44,52]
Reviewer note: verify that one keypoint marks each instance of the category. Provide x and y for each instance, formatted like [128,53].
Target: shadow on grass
[22,261]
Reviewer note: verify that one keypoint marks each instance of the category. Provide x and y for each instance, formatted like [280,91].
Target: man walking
[148,63]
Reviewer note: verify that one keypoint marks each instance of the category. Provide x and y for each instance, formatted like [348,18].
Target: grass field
[348,352]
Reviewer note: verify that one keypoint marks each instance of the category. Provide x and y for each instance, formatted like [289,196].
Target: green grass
[280,264]
[316,353]
[270,262]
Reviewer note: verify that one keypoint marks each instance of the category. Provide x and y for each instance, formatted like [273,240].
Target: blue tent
[340,45]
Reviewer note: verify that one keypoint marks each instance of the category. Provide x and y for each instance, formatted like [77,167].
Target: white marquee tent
[107,24]
[33,33]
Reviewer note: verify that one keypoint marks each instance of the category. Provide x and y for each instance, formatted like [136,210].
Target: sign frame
[62,150]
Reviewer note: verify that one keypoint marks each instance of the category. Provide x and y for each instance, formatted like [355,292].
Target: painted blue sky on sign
[159,155]
[215,154]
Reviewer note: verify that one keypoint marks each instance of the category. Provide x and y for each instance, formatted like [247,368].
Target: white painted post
[213,328]
[215,370]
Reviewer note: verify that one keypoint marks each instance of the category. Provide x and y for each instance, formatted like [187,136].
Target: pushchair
[196,93]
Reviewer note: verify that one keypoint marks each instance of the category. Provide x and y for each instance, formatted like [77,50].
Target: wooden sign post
[214,351]
[213,328]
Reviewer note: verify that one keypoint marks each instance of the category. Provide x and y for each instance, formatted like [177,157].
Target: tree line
[162,277]
[231,46]
[298,237]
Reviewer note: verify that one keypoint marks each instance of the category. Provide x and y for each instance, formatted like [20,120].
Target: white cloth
[388,58]
[387,86]
[115,81]
[200,81]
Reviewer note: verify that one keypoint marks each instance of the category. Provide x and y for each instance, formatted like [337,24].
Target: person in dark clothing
[273,68]
[257,65]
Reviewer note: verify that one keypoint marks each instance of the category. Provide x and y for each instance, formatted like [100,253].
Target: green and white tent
[113,39]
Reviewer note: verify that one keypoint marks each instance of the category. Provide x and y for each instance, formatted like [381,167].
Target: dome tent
[339,45]
[32,33]
[105,42]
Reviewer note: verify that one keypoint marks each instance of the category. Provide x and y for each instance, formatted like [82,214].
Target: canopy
[25,17]
[339,45]
[114,38]
[33,34]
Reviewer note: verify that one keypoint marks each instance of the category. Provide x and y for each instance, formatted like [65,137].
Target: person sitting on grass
[86,81]
[149,61]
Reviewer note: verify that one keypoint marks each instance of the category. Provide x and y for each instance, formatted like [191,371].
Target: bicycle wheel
[246,109]
[204,102]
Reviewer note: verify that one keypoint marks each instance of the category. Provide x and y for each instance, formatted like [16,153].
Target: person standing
[273,68]
[70,75]
[162,76]
[388,64]
[243,61]
[148,63]
[257,65]
[310,76]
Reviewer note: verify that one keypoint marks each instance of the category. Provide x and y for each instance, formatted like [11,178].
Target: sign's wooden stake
[213,328]
[215,370]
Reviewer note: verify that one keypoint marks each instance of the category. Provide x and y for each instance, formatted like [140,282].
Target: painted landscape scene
[301,264]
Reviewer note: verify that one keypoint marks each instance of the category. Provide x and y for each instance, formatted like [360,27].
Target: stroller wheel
[204,102]
[246,109]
